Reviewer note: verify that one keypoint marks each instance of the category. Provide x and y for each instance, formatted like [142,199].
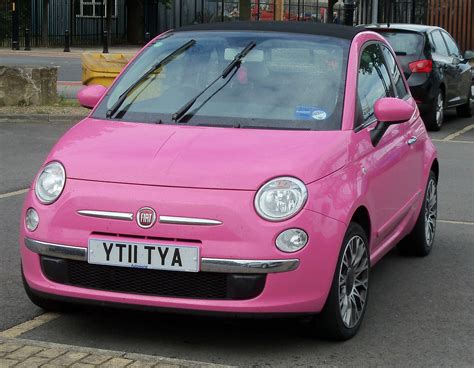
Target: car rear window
[287,81]
[405,43]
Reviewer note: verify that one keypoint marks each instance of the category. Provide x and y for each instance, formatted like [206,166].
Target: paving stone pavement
[17,352]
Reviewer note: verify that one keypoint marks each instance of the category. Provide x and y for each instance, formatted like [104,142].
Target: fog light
[31,219]
[291,240]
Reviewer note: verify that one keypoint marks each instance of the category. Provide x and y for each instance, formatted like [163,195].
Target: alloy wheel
[431,212]
[353,281]
[439,109]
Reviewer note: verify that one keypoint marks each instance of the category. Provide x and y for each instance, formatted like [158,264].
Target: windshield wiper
[235,63]
[162,62]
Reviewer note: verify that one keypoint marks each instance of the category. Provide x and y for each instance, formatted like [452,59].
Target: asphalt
[69,68]
[419,312]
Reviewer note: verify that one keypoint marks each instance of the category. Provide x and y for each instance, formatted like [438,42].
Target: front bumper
[207,264]
[243,244]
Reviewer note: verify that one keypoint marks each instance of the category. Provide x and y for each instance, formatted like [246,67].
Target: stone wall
[28,85]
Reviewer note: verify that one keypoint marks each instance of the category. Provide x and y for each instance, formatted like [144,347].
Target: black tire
[417,242]
[44,303]
[329,323]
[432,120]
[465,110]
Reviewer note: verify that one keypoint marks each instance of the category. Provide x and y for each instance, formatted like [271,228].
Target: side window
[395,72]
[452,47]
[438,43]
[373,82]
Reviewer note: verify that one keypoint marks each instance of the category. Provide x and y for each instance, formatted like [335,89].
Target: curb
[39,118]
[138,359]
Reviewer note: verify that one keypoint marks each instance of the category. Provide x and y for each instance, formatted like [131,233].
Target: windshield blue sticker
[309,113]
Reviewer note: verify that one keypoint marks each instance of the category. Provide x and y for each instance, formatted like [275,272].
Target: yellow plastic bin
[102,69]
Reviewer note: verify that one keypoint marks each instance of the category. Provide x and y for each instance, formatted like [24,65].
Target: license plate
[143,255]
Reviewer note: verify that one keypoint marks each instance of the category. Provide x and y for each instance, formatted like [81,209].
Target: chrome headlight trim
[299,185]
[53,165]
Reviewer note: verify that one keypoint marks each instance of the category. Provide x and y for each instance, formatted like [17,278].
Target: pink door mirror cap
[89,96]
[393,110]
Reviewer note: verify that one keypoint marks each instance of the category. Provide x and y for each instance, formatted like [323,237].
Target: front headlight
[50,182]
[280,198]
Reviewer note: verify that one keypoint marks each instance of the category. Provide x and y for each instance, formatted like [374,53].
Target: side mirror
[393,110]
[469,55]
[89,96]
[389,111]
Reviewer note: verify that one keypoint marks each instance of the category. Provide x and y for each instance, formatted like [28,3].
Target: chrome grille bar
[188,221]
[126,216]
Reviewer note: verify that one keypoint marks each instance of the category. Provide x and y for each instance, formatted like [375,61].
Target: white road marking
[442,140]
[458,133]
[456,222]
[15,193]
[36,322]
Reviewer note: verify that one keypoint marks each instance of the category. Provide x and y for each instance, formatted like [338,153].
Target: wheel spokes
[359,253]
[363,266]
[430,212]
[353,281]
[361,284]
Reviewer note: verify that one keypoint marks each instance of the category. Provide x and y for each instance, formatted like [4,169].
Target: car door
[444,62]
[461,72]
[415,127]
[391,172]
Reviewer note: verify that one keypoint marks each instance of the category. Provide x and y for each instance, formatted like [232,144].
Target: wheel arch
[435,168]
[362,217]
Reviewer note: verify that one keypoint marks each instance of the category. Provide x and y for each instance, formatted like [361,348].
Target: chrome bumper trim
[248,265]
[207,264]
[107,214]
[188,221]
[56,250]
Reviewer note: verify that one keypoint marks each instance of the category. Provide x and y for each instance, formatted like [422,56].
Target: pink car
[243,168]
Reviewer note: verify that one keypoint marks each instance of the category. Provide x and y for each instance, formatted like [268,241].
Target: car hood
[197,157]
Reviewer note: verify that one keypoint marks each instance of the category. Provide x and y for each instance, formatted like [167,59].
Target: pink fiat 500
[249,168]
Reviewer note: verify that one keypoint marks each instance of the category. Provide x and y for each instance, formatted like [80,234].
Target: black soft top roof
[323,29]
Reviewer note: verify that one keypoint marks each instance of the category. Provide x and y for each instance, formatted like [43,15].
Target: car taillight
[421,66]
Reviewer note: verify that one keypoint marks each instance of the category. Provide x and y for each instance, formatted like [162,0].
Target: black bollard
[67,41]
[27,40]
[105,40]
[15,27]
[147,37]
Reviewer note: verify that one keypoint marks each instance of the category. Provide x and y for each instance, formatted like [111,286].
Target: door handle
[411,141]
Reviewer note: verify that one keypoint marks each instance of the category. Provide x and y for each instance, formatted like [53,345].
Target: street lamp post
[349,8]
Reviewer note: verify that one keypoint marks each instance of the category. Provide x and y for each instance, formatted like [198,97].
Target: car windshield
[405,43]
[287,81]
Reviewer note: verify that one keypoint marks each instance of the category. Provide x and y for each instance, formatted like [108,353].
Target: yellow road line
[36,322]
[15,193]
[456,222]
[458,133]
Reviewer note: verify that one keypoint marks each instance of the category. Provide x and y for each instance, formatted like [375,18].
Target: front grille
[199,285]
